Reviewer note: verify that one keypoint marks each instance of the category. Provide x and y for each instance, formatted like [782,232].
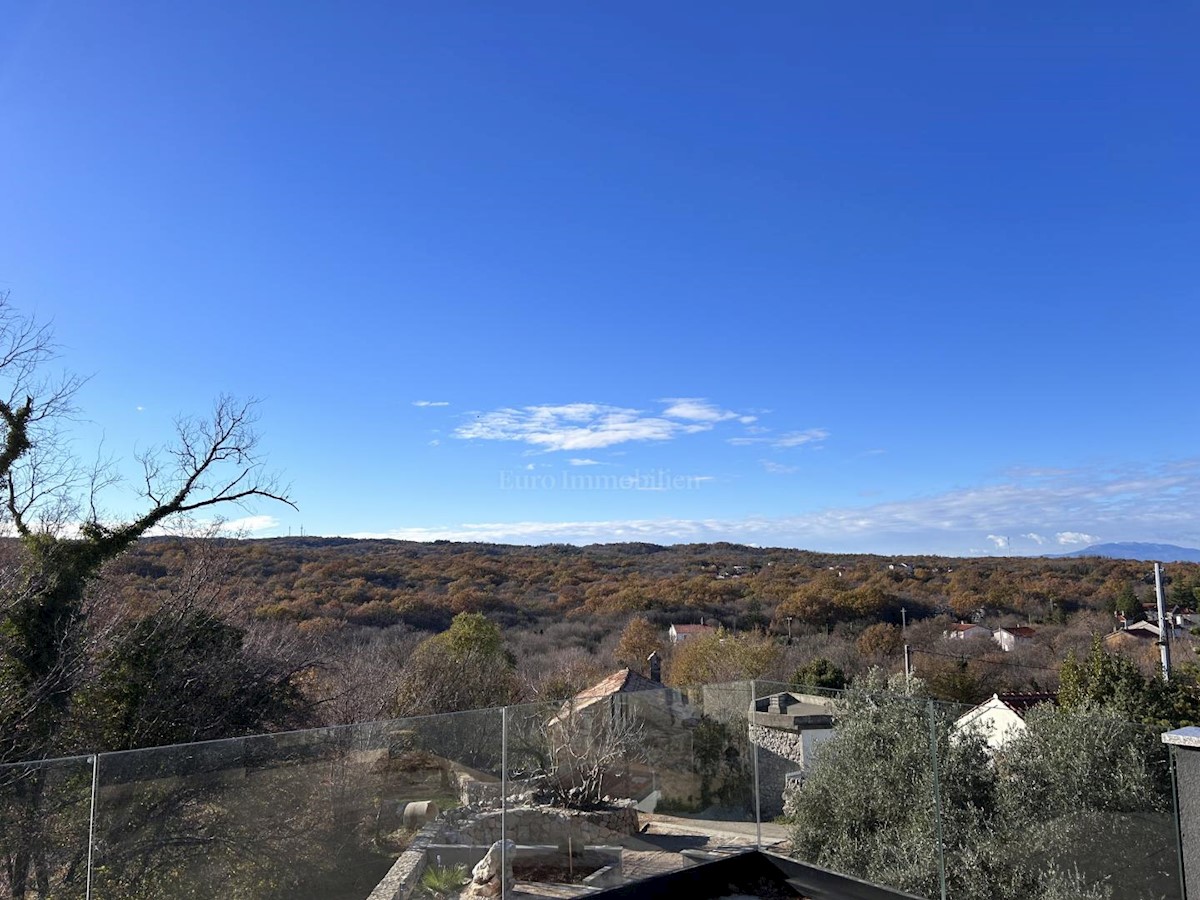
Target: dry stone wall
[779,752]
[546,825]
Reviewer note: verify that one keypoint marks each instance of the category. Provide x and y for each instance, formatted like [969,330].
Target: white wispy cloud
[999,540]
[698,409]
[800,438]
[583,462]
[783,441]
[1075,538]
[575,426]
[592,426]
[431,403]
[250,524]
[776,468]
[1038,539]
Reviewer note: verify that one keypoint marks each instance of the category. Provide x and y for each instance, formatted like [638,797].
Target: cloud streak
[594,426]
[1075,539]
[699,410]
[776,468]
[1149,503]
[784,441]
[250,524]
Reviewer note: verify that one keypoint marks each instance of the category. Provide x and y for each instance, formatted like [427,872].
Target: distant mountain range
[1134,550]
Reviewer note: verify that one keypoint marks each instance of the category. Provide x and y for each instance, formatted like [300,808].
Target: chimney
[655,667]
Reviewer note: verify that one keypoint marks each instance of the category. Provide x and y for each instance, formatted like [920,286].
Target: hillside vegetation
[358,608]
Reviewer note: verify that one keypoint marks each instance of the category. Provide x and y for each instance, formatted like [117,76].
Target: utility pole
[903,621]
[1164,626]
[789,620]
[907,663]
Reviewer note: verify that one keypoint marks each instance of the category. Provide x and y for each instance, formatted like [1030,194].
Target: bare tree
[363,673]
[53,505]
[575,752]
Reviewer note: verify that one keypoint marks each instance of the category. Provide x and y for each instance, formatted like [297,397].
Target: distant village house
[963,631]
[1002,717]
[681,633]
[1010,638]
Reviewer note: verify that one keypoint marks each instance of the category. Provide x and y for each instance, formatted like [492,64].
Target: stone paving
[658,849]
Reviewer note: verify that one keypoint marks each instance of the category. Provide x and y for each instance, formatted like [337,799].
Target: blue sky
[842,276]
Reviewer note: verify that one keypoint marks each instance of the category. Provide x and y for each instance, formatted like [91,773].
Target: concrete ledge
[1183,737]
[469,854]
[402,878]
[609,876]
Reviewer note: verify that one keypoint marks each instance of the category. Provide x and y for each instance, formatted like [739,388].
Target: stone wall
[779,753]
[545,825]
[486,794]
[402,878]
[474,832]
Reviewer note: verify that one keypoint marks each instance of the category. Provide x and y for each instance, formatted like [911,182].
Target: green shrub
[443,881]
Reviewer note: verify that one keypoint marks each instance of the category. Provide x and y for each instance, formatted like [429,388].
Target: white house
[1010,638]
[963,631]
[680,633]
[1000,718]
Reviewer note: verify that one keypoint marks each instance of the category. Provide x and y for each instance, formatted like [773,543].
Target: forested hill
[1135,550]
[322,583]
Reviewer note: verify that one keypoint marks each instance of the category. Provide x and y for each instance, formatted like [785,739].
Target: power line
[984,662]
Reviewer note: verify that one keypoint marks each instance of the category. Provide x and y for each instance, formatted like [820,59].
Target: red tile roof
[693,629]
[624,681]
[1021,703]
[1021,631]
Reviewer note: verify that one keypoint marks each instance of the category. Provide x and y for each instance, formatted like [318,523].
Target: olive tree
[1074,804]
[869,806]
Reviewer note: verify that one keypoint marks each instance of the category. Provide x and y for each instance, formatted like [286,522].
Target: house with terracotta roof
[1002,717]
[1010,638]
[625,681]
[681,633]
[1140,641]
[628,706]
[625,692]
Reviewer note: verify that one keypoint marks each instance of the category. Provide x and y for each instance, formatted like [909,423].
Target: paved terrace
[659,847]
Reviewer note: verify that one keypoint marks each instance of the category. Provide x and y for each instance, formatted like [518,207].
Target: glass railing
[45,826]
[899,791]
[311,814]
[612,788]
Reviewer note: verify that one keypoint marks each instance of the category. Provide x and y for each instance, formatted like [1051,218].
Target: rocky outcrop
[492,875]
